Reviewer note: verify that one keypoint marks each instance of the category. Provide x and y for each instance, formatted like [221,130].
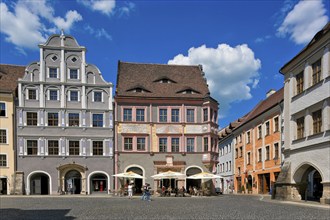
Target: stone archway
[138,183]
[308,181]
[73,174]
[190,183]
[38,183]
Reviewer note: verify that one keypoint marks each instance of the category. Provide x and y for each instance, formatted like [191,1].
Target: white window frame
[67,118]
[278,119]
[58,118]
[27,93]
[93,94]
[6,159]
[269,133]
[69,96]
[57,72]
[5,129]
[91,119]
[48,94]
[69,73]
[260,154]
[5,109]
[279,153]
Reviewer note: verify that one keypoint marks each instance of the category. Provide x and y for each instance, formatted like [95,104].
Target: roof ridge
[159,64]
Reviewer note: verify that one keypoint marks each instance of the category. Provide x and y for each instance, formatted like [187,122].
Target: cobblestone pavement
[104,207]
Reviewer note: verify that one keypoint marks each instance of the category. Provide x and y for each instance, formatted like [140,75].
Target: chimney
[270,92]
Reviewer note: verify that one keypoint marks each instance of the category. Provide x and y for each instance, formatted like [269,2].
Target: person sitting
[183,190]
[163,193]
[176,191]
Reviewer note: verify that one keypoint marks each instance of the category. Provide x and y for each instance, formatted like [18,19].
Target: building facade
[64,123]
[165,119]
[256,146]
[9,75]
[306,171]
[226,164]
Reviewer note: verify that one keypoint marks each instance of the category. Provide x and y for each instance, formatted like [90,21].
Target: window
[32,147]
[205,114]
[190,144]
[248,137]
[97,96]
[52,119]
[190,115]
[127,114]
[97,147]
[139,114]
[206,144]
[226,166]
[316,71]
[53,95]
[240,138]
[163,145]
[276,151]
[74,96]
[300,127]
[300,82]
[97,120]
[2,109]
[52,72]
[128,143]
[241,151]
[32,118]
[229,165]
[267,128]
[317,121]
[141,143]
[74,119]
[52,147]
[259,155]
[267,153]
[32,94]
[175,145]
[162,115]
[175,115]
[259,132]
[236,153]
[74,147]
[3,136]
[276,124]
[73,74]
[3,160]
[248,159]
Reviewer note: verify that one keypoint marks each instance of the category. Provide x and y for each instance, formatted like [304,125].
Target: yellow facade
[7,165]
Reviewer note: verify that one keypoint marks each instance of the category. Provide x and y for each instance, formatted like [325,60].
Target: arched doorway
[39,184]
[193,182]
[99,183]
[73,182]
[249,184]
[308,181]
[137,182]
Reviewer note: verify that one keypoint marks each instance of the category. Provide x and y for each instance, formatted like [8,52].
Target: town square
[165,109]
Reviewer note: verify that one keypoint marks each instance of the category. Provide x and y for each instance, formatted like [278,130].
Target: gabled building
[306,171]
[256,146]
[9,75]
[226,164]
[64,123]
[165,119]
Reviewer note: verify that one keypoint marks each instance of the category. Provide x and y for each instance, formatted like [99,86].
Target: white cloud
[98,33]
[304,21]
[28,23]
[104,6]
[231,72]
[126,9]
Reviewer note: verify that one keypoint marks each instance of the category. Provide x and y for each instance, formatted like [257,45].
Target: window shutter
[83,118]
[89,147]
[111,120]
[62,147]
[63,118]
[105,147]
[20,118]
[81,142]
[111,147]
[21,146]
[41,146]
[83,146]
[41,117]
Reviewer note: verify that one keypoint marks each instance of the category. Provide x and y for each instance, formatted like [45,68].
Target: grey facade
[64,122]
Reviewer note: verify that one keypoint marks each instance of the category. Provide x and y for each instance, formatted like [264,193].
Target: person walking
[130,190]
[143,197]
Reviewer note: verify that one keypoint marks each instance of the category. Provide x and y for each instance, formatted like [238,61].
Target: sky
[241,44]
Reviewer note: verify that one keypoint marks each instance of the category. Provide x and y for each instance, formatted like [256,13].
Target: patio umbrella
[204,175]
[129,174]
[169,175]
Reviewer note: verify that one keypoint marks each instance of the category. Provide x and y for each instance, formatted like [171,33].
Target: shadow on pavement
[35,214]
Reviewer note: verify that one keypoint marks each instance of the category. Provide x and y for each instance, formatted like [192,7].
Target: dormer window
[188,91]
[139,89]
[164,80]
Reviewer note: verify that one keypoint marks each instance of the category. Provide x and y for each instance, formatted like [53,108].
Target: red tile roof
[147,76]
[9,74]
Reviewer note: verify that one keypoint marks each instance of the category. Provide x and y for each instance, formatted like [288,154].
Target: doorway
[73,182]
[138,183]
[3,186]
[39,184]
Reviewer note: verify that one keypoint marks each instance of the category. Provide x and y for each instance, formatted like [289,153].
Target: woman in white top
[130,191]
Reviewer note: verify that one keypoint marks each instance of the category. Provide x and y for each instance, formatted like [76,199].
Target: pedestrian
[147,192]
[130,191]
[143,197]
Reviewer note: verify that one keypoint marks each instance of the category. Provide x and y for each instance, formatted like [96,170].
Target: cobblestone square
[102,207]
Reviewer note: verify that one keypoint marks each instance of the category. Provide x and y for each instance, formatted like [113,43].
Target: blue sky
[241,44]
